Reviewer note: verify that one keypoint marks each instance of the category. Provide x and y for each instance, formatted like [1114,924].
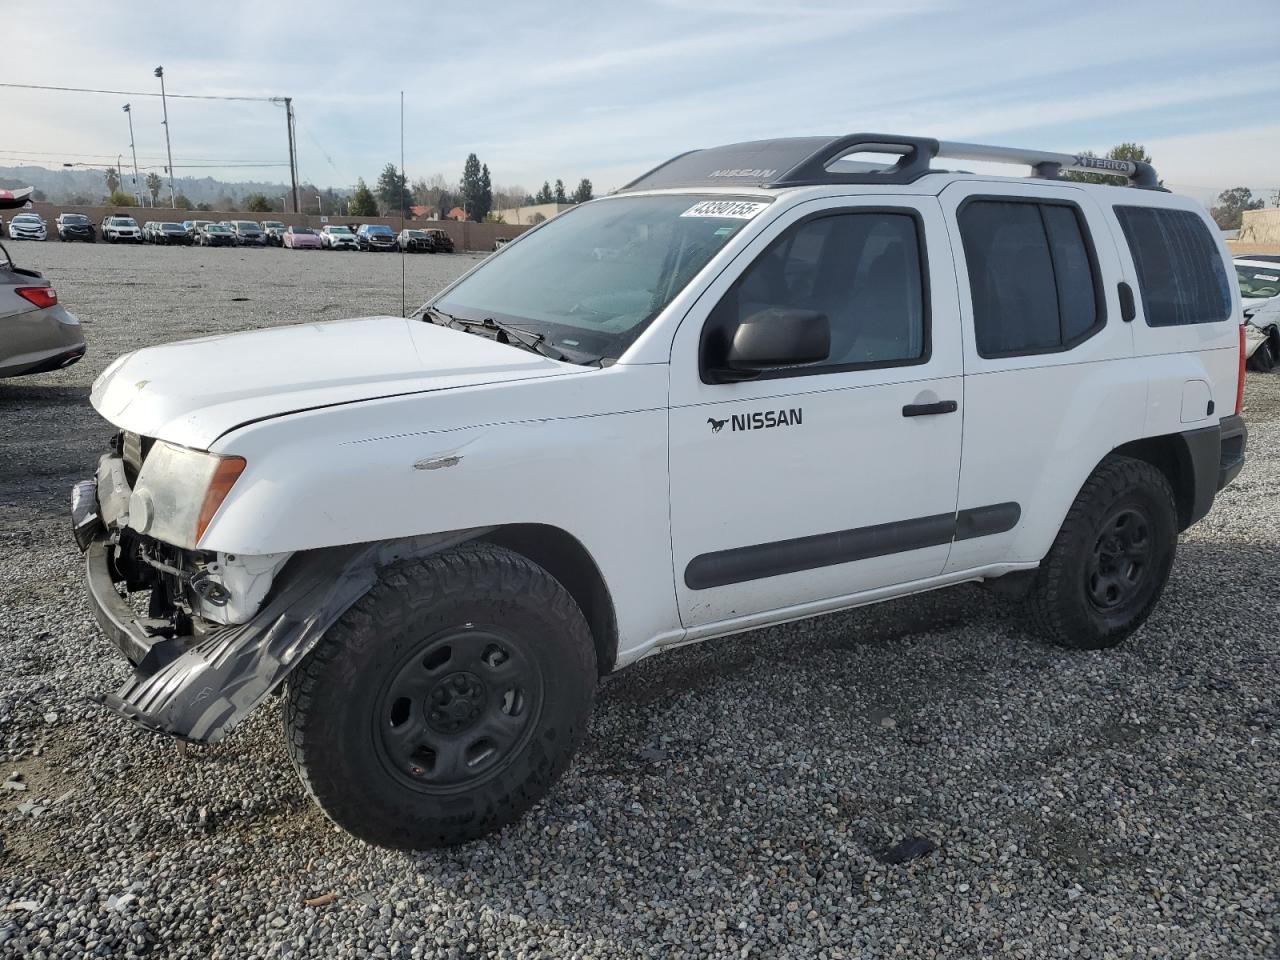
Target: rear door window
[1032,276]
[1180,270]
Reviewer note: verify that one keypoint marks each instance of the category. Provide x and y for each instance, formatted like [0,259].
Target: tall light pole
[119,171]
[173,198]
[138,196]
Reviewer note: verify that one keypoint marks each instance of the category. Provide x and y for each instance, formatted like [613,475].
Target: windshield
[1258,281]
[591,279]
[416,234]
[271,224]
[379,230]
[172,228]
[74,218]
[339,229]
[123,222]
[25,218]
[304,230]
[247,225]
[216,228]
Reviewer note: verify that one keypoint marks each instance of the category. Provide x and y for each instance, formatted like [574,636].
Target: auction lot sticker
[725,209]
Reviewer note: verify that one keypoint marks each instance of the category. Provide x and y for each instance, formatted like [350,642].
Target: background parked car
[27,226]
[36,332]
[121,230]
[75,226]
[273,233]
[441,242]
[336,236]
[248,233]
[168,234]
[215,235]
[194,227]
[1259,279]
[301,238]
[376,236]
[414,241]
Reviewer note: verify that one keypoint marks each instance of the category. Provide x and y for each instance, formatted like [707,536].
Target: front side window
[862,270]
[1032,276]
[1179,267]
[591,279]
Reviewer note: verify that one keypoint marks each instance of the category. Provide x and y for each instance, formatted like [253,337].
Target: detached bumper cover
[199,688]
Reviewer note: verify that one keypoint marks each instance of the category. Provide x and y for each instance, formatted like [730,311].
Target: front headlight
[178,491]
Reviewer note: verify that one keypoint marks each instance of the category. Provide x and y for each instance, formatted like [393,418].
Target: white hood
[194,391]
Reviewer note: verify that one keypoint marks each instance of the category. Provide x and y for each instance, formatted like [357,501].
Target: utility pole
[293,151]
[136,194]
[119,171]
[173,198]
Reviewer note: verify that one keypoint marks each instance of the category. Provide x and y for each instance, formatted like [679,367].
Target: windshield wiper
[528,339]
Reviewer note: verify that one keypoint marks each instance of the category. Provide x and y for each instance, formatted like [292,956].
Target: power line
[137,93]
[111,156]
[216,165]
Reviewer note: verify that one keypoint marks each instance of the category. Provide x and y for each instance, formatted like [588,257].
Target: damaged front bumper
[194,679]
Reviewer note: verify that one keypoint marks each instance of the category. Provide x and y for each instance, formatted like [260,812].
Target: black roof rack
[806,161]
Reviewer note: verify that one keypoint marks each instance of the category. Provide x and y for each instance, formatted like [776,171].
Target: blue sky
[605,90]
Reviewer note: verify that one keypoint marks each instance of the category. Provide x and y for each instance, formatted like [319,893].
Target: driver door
[807,485]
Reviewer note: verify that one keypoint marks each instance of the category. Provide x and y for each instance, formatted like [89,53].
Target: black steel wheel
[1111,559]
[1121,559]
[445,702]
[457,708]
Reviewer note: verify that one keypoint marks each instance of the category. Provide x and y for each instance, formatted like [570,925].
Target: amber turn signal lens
[224,477]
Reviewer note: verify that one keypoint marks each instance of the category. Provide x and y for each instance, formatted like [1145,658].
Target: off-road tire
[1059,601]
[334,712]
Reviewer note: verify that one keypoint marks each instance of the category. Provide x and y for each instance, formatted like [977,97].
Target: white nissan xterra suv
[761,382]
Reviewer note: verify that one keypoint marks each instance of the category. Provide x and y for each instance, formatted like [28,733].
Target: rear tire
[445,702]
[1111,559]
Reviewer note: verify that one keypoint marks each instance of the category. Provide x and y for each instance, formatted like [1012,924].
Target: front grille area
[134,450]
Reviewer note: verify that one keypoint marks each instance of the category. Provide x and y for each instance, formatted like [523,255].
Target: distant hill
[63,185]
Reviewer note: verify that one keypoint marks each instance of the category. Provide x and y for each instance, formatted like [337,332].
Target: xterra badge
[760,420]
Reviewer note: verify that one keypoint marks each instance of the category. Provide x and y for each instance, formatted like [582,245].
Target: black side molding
[755,562]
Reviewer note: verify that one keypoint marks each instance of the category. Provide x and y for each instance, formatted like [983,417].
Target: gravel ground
[733,797]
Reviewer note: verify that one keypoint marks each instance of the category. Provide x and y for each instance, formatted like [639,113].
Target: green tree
[183,202]
[203,207]
[544,195]
[393,190]
[362,202]
[119,198]
[257,203]
[477,192]
[583,193]
[560,196]
[1121,151]
[154,183]
[484,196]
[112,178]
[1229,212]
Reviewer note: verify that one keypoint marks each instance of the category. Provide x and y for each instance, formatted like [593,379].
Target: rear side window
[1179,267]
[1032,275]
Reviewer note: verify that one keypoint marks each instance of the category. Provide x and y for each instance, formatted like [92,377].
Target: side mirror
[778,337]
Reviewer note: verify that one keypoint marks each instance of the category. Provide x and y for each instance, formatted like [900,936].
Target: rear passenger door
[1047,389]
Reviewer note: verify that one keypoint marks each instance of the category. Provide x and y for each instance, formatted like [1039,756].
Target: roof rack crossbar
[1052,165]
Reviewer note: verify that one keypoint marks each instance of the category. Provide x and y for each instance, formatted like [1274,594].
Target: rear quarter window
[1180,271]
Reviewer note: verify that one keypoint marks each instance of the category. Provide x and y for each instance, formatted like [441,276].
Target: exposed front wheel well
[566,559]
